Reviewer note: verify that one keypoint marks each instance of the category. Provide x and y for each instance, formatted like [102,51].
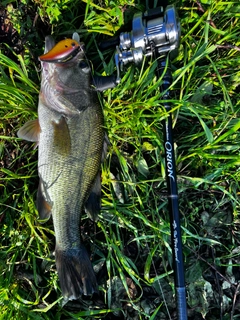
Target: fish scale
[73,172]
[70,137]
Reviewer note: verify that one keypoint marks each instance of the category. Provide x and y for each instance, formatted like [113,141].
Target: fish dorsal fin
[30,131]
[43,206]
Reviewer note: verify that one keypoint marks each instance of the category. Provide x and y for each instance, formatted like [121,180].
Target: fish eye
[73,44]
[84,66]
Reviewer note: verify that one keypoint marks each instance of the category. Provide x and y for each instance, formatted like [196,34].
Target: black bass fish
[70,137]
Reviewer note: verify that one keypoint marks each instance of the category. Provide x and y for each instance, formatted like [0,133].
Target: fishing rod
[156,33]
[173,204]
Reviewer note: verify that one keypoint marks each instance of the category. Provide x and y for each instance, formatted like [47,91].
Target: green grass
[130,245]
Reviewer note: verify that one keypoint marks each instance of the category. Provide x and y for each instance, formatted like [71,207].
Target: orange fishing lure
[63,51]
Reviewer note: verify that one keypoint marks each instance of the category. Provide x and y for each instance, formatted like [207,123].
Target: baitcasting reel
[156,29]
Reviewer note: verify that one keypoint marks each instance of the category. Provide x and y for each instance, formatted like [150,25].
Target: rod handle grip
[104,82]
[109,43]
[181,303]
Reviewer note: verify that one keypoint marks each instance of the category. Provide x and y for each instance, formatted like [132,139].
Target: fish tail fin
[75,273]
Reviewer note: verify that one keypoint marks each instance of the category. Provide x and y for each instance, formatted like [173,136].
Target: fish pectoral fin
[93,203]
[62,139]
[43,206]
[30,131]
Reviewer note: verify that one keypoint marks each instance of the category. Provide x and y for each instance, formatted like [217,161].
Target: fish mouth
[61,52]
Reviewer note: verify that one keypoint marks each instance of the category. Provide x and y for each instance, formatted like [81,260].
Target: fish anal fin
[62,139]
[30,131]
[43,206]
[93,203]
